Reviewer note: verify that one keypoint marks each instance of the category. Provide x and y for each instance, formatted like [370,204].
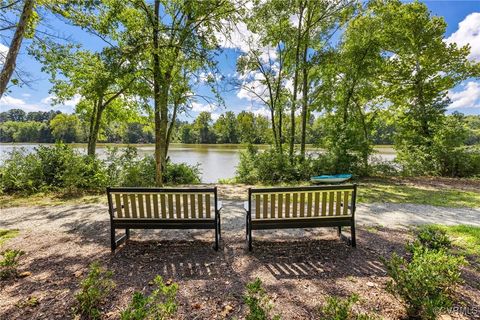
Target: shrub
[159,305]
[341,309]
[128,170]
[424,283]
[93,291]
[181,173]
[430,237]
[52,168]
[258,302]
[271,166]
[59,167]
[9,263]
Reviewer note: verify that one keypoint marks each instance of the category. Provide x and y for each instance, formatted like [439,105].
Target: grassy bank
[455,193]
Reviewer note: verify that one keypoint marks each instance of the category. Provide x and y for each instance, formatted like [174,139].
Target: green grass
[49,199]
[395,193]
[465,237]
[7,234]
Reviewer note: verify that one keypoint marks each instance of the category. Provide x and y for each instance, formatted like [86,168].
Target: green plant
[341,309]
[28,302]
[426,282]
[93,291]
[9,263]
[6,234]
[159,305]
[258,302]
[430,237]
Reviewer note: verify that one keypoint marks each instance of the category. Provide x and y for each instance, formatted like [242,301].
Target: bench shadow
[176,259]
[326,258]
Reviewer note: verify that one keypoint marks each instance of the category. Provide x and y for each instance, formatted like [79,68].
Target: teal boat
[336,178]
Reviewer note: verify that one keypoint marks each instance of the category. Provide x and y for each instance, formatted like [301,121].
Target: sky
[463,26]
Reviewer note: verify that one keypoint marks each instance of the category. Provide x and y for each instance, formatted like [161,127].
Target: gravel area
[72,217]
[300,268]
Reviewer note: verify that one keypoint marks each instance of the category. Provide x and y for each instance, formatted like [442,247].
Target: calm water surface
[216,161]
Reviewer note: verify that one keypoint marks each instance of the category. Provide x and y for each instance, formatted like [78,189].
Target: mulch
[298,274]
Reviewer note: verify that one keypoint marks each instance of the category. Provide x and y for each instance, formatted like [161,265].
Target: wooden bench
[162,208]
[301,207]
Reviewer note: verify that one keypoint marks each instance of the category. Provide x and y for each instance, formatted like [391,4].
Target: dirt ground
[300,269]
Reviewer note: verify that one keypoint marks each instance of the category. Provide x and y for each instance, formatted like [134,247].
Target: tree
[226,128]
[246,127]
[13,115]
[351,93]
[420,70]
[202,127]
[66,128]
[104,81]
[173,39]
[25,23]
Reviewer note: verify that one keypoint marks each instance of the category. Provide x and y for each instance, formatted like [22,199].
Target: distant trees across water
[245,127]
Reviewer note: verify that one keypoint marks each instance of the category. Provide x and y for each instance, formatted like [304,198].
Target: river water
[216,161]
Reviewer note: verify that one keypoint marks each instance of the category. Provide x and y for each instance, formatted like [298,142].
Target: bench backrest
[162,203]
[302,202]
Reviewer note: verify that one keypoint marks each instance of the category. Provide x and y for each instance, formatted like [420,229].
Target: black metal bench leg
[127,233]
[219,227]
[216,236]
[250,247]
[352,232]
[113,244]
[339,232]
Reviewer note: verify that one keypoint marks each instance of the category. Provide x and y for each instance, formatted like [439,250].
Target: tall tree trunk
[10,60]
[95,127]
[295,84]
[305,98]
[159,151]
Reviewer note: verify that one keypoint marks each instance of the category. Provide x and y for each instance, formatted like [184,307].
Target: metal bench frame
[161,223]
[302,222]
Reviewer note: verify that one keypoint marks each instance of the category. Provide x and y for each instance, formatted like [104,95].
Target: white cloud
[45,104]
[215,116]
[236,36]
[50,100]
[26,95]
[200,107]
[469,97]
[468,33]
[260,111]
[9,102]
[3,53]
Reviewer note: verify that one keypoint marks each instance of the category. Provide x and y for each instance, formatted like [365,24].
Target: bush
[271,167]
[159,305]
[59,167]
[258,302]
[181,173]
[52,168]
[93,291]
[424,283]
[341,309]
[127,169]
[9,263]
[430,237]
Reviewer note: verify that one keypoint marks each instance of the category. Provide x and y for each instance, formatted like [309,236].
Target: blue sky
[462,17]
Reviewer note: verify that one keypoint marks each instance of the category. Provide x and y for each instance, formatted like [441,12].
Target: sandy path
[91,216]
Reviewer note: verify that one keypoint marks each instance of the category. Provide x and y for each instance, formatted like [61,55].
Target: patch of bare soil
[299,273]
